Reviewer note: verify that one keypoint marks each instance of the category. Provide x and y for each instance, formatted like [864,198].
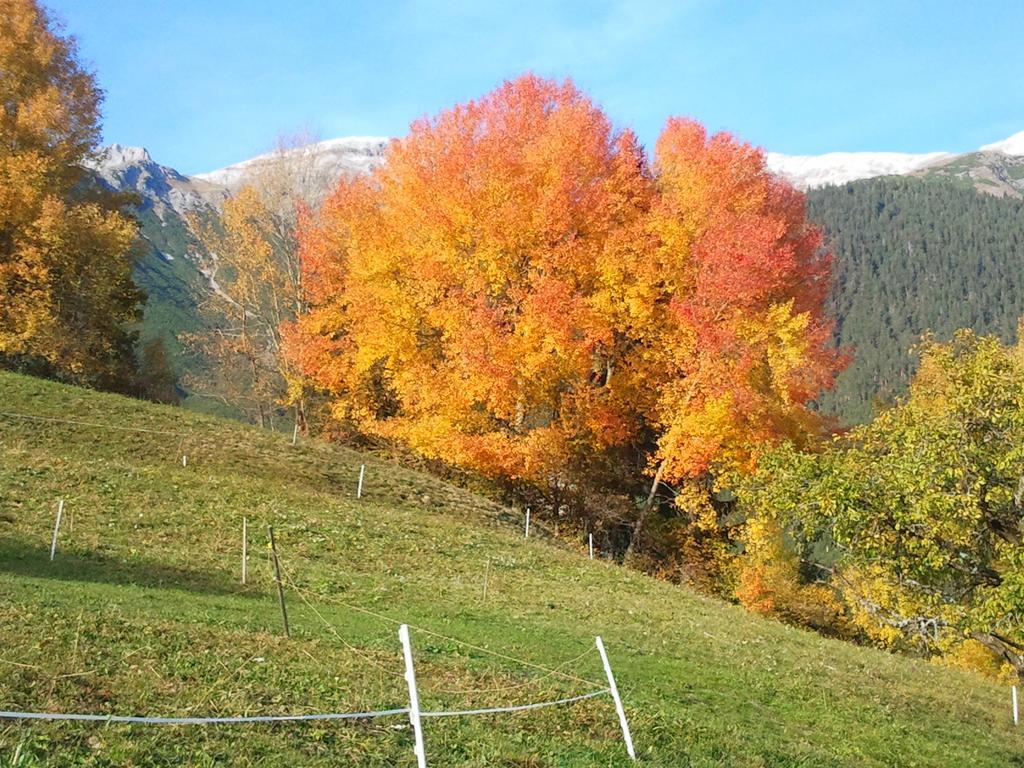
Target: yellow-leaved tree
[250,250]
[66,256]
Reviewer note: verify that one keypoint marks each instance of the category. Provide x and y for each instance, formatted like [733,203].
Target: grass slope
[143,613]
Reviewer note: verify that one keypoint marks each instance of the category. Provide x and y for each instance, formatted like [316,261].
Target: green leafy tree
[924,505]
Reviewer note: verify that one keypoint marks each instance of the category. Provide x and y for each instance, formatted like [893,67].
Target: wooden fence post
[487,576]
[277,578]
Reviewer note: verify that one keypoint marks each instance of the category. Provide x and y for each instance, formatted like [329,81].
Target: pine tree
[914,255]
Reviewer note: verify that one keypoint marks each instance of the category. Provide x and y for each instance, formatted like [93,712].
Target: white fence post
[245,547]
[295,433]
[56,528]
[591,545]
[359,488]
[618,702]
[527,523]
[1016,720]
[487,576]
[414,698]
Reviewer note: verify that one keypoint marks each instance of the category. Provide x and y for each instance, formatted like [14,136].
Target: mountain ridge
[132,167]
[324,162]
[996,168]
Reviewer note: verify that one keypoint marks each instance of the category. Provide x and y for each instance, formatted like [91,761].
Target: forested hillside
[914,255]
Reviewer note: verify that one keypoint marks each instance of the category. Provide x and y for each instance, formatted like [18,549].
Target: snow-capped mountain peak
[810,171]
[1014,145]
[321,163]
[125,168]
[120,156]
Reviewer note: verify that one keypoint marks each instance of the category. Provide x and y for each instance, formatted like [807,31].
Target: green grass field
[143,613]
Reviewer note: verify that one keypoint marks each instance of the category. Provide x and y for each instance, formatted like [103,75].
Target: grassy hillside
[142,612]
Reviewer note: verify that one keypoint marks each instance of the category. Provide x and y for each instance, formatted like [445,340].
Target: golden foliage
[65,262]
[770,583]
[516,289]
[252,262]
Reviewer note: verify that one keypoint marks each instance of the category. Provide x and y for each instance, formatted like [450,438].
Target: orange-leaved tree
[517,292]
[739,331]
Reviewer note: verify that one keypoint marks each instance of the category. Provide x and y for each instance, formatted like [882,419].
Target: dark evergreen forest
[914,255]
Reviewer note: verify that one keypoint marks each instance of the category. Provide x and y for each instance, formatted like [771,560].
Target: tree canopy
[65,256]
[520,289]
[914,255]
[924,506]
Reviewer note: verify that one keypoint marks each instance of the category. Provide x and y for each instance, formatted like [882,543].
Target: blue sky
[204,83]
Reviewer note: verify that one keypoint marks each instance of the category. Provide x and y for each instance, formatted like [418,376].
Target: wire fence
[412,710]
[217,720]
[92,425]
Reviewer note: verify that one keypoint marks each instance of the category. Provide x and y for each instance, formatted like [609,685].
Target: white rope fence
[518,708]
[413,710]
[93,425]
[200,720]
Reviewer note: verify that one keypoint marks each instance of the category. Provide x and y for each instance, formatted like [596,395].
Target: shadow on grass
[23,559]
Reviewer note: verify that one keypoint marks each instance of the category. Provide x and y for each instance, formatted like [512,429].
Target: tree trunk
[1005,649]
[645,511]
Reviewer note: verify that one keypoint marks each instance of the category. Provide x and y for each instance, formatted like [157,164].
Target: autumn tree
[65,257]
[924,506]
[517,291]
[251,255]
[156,379]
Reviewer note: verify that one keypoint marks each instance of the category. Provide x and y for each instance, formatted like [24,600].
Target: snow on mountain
[810,171]
[1014,145]
[319,165]
[160,187]
[313,169]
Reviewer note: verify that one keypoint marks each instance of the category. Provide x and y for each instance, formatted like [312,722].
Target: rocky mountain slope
[162,189]
[171,271]
[317,166]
